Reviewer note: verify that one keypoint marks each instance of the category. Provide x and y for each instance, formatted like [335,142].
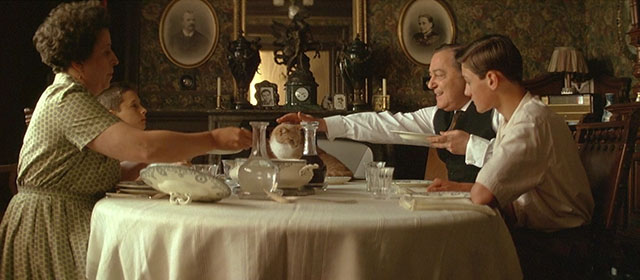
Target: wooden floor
[628,261]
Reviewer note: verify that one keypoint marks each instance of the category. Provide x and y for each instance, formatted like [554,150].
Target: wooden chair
[606,151]
[8,189]
[587,252]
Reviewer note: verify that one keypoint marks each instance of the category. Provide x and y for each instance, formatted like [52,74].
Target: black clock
[301,89]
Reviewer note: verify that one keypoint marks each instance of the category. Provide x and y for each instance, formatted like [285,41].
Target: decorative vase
[353,61]
[258,173]
[243,59]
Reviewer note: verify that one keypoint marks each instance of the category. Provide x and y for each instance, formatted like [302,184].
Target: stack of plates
[135,187]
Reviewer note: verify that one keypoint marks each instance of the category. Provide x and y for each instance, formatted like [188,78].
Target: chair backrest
[606,152]
[8,189]
[354,155]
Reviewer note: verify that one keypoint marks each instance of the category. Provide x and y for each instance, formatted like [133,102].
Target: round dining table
[341,233]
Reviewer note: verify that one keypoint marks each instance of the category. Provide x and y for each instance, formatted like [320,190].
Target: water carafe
[258,173]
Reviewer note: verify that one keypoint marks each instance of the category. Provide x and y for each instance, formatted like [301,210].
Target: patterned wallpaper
[597,27]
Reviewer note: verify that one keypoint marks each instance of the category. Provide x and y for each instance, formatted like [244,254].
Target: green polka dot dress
[45,230]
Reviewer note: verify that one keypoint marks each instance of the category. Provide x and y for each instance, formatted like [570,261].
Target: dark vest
[473,123]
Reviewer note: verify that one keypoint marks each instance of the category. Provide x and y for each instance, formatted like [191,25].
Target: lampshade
[567,59]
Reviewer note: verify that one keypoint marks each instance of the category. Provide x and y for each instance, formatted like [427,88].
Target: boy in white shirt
[535,173]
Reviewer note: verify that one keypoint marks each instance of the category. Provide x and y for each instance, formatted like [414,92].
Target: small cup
[383,186]
[230,169]
[371,169]
[227,165]
[211,169]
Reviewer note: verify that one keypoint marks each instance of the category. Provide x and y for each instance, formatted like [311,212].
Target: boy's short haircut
[111,98]
[493,52]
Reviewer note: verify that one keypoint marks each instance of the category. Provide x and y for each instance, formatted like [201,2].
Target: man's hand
[441,185]
[455,141]
[231,138]
[300,117]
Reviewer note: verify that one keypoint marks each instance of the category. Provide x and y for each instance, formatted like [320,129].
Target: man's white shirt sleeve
[376,128]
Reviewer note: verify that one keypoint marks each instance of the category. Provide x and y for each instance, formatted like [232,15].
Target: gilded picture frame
[267,95]
[424,25]
[189,32]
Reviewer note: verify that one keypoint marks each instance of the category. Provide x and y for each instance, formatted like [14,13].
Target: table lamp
[567,60]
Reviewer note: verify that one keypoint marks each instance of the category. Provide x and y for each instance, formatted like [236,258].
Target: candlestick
[384,86]
[219,93]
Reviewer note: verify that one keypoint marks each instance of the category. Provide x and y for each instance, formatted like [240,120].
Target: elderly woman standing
[71,149]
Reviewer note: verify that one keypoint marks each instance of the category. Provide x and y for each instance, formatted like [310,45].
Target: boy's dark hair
[493,52]
[111,98]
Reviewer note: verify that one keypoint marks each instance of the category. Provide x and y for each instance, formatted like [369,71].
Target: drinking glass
[227,166]
[211,169]
[370,172]
[383,187]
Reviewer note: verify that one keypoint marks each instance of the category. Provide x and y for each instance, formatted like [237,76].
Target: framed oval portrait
[424,25]
[189,32]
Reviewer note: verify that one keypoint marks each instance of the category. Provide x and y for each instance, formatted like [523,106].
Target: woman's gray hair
[111,98]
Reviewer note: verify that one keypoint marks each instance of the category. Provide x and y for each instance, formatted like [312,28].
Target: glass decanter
[258,173]
[310,153]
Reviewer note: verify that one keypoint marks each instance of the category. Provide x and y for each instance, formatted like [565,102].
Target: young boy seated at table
[535,173]
[122,100]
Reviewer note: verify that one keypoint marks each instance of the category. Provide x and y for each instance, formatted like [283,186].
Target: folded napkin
[413,202]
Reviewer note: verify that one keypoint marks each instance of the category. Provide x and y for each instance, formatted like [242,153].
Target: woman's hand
[301,117]
[440,185]
[231,138]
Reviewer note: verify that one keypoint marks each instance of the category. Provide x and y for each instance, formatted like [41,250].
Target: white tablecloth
[350,237]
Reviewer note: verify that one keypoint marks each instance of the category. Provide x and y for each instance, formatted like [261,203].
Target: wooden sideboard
[410,161]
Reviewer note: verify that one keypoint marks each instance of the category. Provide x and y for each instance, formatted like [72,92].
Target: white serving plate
[414,136]
[182,181]
[412,183]
[337,180]
[223,152]
[133,185]
[150,191]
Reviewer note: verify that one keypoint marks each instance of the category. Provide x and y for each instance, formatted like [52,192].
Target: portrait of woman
[424,25]
[427,35]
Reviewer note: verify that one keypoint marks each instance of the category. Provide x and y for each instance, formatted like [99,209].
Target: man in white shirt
[463,147]
[535,167]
